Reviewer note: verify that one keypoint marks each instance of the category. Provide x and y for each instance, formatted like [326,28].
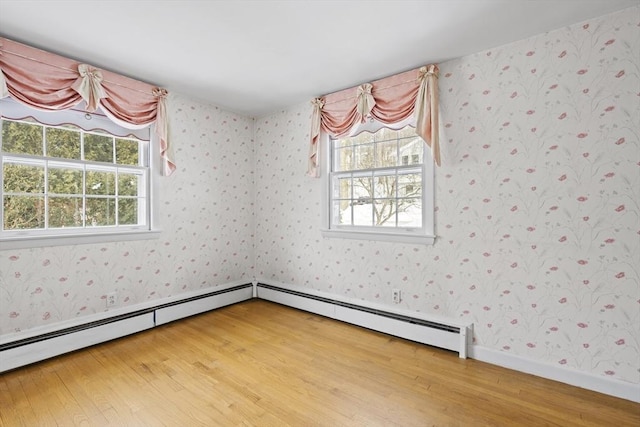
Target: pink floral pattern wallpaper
[538,217]
[206,214]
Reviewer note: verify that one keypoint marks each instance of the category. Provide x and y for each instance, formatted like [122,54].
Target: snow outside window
[379,186]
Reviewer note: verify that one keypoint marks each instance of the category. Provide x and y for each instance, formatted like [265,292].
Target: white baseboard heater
[449,335]
[22,352]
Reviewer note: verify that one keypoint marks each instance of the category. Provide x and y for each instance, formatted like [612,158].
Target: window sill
[25,242]
[379,236]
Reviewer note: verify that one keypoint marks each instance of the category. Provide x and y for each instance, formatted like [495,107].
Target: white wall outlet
[396,296]
[112,299]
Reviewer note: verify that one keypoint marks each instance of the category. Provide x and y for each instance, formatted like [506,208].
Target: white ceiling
[255,57]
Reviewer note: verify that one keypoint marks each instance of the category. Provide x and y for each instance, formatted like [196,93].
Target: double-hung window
[71,177]
[380,185]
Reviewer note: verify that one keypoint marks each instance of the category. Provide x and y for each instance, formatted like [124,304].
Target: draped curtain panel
[47,81]
[389,100]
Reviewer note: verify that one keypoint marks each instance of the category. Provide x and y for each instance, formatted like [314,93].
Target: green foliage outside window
[61,176]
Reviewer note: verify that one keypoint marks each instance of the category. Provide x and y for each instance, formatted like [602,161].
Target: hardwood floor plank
[262,364]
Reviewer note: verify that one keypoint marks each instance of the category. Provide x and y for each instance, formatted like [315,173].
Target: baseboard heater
[449,335]
[40,347]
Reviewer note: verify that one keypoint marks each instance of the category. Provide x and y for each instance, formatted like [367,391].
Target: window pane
[385,186]
[410,212]
[21,138]
[364,156]
[343,142]
[63,143]
[362,138]
[23,212]
[363,214]
[65,212]
[411,149]
[128,184]
[57,175]
[385,212]
[127,152]
[101,211]
[98,148]
[23,178]
[342,212]
[65,181]
[101,183]
[343,159]
[410,185]
[386,154]
[362,188]
[128,211]
[342,188]
[385,134]
[407,132]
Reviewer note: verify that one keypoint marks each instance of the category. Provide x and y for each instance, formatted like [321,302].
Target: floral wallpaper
[206,214]
[537,211]
[537,203]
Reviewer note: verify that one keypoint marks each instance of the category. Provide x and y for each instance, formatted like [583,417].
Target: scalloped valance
[389,100]
[47,81]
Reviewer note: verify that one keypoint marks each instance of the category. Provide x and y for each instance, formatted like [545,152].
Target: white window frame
[22,239]
[424,235]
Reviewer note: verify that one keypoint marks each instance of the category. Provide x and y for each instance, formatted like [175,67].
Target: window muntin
[376,182]
[61,179]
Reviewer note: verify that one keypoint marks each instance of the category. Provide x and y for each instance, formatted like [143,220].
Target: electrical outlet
[112,299]
[396,296]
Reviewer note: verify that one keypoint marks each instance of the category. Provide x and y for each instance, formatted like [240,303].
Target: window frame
[31,238]
[424,235]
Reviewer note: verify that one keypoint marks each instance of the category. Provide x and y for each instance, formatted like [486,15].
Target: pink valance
[389,100]
[47,81]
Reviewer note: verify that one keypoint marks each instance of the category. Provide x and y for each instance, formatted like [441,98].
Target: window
[380,186]
[70,174]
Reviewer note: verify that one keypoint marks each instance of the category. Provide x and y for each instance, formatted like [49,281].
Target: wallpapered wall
[537,211]
[537,203]
[206,212]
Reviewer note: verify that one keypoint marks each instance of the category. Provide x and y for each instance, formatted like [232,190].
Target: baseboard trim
[34,346]
[588,381]
[200,304]
[442,333]
[36,351]
[40,346]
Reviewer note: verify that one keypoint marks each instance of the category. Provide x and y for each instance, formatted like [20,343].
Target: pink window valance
[47,81]
[389,100]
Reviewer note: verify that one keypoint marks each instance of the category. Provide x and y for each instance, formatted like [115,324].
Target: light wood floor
[262,364]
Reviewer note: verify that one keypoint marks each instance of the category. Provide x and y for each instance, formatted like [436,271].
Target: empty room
[320,213]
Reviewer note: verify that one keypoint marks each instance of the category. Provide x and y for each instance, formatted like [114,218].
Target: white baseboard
[597,383]
[201,305]
[185,305]
[118,311]
[586,380]
[442,333]
[40,350]
[36,346]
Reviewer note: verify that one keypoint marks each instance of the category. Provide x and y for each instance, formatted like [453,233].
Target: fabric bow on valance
[89,86]
[46,81]
[365,101]
[389,100]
